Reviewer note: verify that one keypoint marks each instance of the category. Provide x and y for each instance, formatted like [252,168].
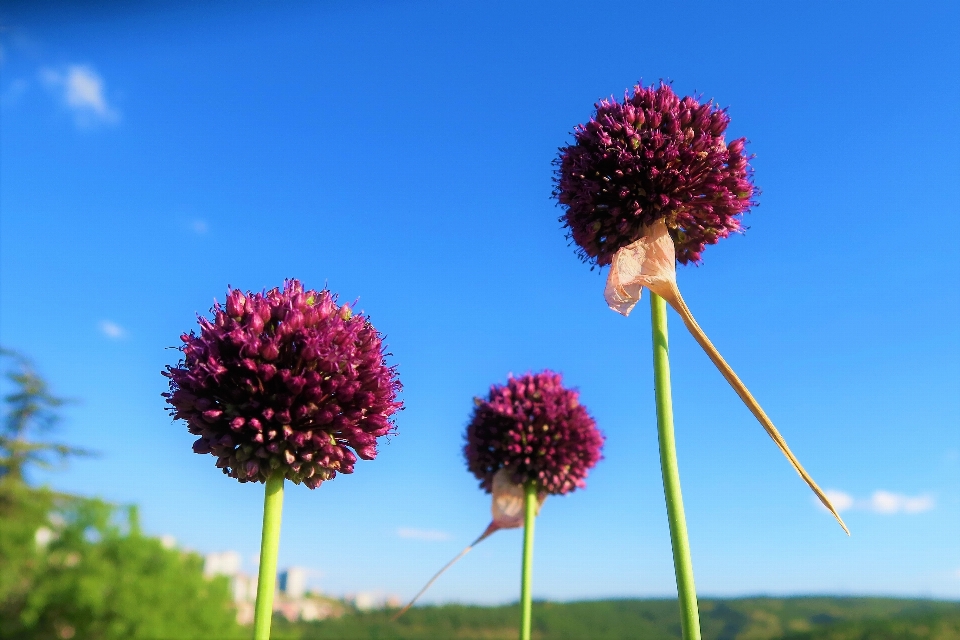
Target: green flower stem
[529,516]
[689,613]
[269,545]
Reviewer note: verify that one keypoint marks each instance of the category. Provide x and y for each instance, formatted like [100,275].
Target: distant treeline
[801,618]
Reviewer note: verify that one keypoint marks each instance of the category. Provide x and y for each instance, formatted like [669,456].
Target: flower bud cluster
[654,156]
[537,430]
[284,380]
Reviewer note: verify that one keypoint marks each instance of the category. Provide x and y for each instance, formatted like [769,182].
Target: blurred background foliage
[77,567]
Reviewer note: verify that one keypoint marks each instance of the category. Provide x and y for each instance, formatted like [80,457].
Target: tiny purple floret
[284,380]
[538,430]
[653,156]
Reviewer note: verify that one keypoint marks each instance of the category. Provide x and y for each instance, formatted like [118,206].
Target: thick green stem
[689,613]
[269,545]
[526,578]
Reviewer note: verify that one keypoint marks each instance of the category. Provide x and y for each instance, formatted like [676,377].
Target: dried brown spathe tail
[651,262]
[486,533]
[506,508]
[675,300]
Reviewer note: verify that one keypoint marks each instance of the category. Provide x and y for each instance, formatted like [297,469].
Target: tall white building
[242,587]
[292,585]
[293,582]
[226,563]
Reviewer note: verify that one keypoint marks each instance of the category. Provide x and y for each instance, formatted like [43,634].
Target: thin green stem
[526,578]
[269,545]
[689,613]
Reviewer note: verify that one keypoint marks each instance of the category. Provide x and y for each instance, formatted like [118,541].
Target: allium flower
[284,380]
[653,157]
[536,430]
[527,439]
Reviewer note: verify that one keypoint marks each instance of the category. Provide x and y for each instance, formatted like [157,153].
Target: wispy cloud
[198,226]
[112,330]
[841,501]
[882,502]
[81,89]
[888,503]
[423,534]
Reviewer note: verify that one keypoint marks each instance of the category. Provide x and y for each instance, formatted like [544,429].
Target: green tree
[75,567]
[31,408]
[22,512]
[98,577]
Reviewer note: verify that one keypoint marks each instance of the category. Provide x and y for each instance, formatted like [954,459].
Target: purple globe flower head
[530,430]
[652,157]
[537,431]
[284,381]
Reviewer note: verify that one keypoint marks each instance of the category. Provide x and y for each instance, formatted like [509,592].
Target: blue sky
[400,153]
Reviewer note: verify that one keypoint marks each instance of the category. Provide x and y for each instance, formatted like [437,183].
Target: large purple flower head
[653,156]
[284,380]
[536,429]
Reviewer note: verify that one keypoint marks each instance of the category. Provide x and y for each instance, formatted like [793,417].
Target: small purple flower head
[284,380]
[654,156]
[538,430]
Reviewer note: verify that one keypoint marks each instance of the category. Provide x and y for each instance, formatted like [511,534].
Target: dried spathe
[649,262]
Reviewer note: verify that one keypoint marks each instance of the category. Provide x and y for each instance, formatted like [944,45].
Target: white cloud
[423,534]
[881,502]
[889,503]
[82,90]
[841,501]
[885,502]
[112,330]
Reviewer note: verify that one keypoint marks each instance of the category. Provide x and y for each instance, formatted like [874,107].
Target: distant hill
[801,618]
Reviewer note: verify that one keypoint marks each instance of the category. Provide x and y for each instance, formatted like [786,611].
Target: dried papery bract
[506,509]
[649,262]
[506,504]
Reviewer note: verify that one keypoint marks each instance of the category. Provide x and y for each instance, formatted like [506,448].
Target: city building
[292,599]
[293,582]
